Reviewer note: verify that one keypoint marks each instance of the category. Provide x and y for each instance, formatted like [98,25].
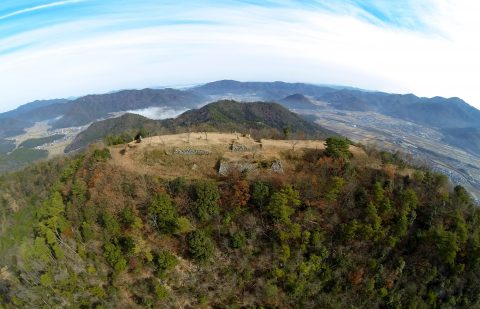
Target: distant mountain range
[92,107]
[33,106]
[438,112]
[268,91]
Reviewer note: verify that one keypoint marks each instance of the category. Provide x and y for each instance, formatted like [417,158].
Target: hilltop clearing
[198,154]
[259,119]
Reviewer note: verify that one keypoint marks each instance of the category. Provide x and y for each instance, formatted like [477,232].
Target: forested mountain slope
[331,231]
[92,107]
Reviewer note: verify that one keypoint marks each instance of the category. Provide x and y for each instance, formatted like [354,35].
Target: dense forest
[335,232]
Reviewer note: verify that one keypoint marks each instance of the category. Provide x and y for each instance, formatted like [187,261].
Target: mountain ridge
[448,112]
[226,116]
[92,107]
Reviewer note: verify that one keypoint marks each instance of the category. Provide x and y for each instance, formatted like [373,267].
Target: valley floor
[42,130]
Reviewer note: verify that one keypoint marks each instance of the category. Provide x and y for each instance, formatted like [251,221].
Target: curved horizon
[65,48]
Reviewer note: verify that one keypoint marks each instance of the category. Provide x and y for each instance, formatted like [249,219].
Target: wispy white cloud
[38,8]
[156,112]
[251,42]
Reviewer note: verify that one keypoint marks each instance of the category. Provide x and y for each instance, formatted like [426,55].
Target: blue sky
[64,48]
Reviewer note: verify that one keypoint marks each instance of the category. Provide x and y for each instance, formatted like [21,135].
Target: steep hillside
[49,112]
[437,112]
[39,104]
[348,100]
[297,101]
[126,124]
[231,116]
[260,119]
[6,146]
[465,138]
[325,230]
[16,121]
[11,127]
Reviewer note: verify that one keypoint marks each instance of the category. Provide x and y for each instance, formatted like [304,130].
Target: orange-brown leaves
[67,232]
[95,178]
[241,193]
[389,170]
[389,283]
[356,277]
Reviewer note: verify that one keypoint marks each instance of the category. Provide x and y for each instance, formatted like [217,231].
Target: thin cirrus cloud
[38,8]
[66,48]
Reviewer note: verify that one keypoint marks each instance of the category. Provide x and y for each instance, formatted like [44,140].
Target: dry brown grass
[155,155]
